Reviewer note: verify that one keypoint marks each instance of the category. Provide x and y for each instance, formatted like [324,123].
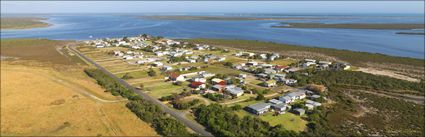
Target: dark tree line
[221,121]
[145,110]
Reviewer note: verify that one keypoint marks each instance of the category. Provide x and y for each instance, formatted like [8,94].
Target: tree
[141,86]
[126,76]
[229,64]
[260,97]
[151,73]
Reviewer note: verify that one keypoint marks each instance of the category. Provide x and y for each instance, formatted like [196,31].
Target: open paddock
[160,89]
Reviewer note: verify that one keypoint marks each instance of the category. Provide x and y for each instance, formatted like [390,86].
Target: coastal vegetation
[353,57]
[22,23]
[352,26]
[360,80]
[355,113]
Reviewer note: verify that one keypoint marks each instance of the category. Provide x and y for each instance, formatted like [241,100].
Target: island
[22,22]
[410,33]
[392,26]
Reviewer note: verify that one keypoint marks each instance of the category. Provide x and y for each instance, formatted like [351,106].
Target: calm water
[81,27]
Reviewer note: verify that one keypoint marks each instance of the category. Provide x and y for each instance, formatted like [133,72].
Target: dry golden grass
[45,93]
[44,101]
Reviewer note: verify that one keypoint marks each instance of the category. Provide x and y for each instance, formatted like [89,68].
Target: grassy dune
[352,26]
[22,23]
[45,93]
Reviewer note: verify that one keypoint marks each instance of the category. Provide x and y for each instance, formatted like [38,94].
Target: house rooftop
[259,106]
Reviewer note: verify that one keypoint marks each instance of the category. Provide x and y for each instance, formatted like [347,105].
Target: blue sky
[212,7]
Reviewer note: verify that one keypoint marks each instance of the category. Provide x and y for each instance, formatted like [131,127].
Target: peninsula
[23,23]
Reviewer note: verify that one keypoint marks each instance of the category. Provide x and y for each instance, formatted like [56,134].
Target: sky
[212,7]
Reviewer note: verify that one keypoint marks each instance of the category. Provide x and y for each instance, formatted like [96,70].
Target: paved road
[182,118]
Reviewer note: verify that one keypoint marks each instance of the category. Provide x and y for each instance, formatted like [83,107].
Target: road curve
[191,124]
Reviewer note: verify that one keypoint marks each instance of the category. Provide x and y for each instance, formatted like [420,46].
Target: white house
[166,68]
[157,64]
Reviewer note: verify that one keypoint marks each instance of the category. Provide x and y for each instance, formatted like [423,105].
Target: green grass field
[288,120]
[160,89]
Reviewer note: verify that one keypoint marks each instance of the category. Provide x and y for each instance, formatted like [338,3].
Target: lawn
[160,89]
[221,70]
[134,74]
[283,62]
[288,120]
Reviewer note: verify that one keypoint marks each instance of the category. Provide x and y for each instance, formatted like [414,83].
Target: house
[166,68]
[266,66]
[218,87]
[176,77]
[341,66]
[208,91]
[290,70]
[243,76]
[157,64]
[280,68]
[309,60]
[263,56]
[300,94]
[100,45]
[285,99]
[269,83]
[279,108]
[128,57]
[198,85]
[191,60]
[234,90]
[159,53]
[315,96]
[220,59]
[198,79]
[218,81]
[273,57]
[262,75]
[269,71]
[309,106]
[275,101]
[252,63]
[207,75]
[299,111]
[290,82]
[307,64]
[313,103]
[325,63]
[259,108]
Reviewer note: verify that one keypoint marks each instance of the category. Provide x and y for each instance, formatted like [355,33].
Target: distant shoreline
[17,23]
[235,18]
[352,26]
[411,33]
